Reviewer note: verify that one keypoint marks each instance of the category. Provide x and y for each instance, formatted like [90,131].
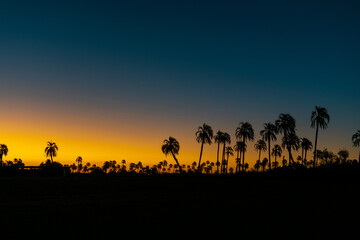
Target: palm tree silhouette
[51,150]
[356,140]
[225,139]
[246,132]
[229,152]
[319,118]
[269,134]
[276,152]
[291,141]
[3,151]
[239,148]
[306,145]
[204,134]
[171,146]
[79,161]
[260,146]
[218,139]
[264,162]
[286,125]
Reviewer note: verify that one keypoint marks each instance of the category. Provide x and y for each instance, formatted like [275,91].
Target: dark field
[180,206]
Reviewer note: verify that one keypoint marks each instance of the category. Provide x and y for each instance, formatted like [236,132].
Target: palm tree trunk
[1,162]
[222,160]
[177,162]
[269,154]
[302,156]
[199,166]
[316,137]
[305,155]
[240,159]
[259,154]
[51,158]
[291,160]
[217,158]
[243,165]
[275,161]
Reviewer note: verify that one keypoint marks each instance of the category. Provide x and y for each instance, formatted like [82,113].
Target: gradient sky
[110,81]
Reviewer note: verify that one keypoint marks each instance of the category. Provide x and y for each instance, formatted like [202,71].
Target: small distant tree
[3,152]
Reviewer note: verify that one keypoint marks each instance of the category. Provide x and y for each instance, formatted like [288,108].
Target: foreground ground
[179,206]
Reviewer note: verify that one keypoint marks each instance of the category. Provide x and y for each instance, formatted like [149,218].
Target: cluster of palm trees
[285,126]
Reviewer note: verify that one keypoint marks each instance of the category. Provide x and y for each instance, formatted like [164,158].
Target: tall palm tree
[226,139]
[245,132]
[229,152]
[269,134]
[3,151]
[276,152]
[291,141]
[218,138]
[356,140]
[306,145]
[51,150]
[260,146]
[286,125]
[171,146]
[319,118]
[204,134]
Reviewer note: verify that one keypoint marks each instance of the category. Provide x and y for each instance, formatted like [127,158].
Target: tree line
[284,126]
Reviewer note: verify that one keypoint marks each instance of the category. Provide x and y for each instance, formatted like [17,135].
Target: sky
[110,80]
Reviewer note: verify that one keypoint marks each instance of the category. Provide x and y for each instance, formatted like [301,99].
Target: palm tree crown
[204,134]
[285,124]
[260,146]
[171,146]
[356,139]
[51,150]
[320,116]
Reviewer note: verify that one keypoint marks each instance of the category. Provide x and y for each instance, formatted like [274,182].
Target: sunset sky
[110,81]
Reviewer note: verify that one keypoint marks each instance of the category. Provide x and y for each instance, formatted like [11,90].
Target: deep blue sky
[184,63]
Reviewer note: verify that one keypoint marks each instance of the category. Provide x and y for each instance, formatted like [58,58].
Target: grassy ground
[179,206]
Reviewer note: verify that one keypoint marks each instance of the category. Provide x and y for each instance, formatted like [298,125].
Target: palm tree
[246,132]
[291,141]
[319,118]
[343,154]
[264,163]
[276,152]
[218,139]
[286,125]
[229,152]
[306,145]
[260,146]
[3,151]
[79,161]
[269,134]
[225,139]
[356,140]
[239,147]
[204,134]
[51,150]
[171,146]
